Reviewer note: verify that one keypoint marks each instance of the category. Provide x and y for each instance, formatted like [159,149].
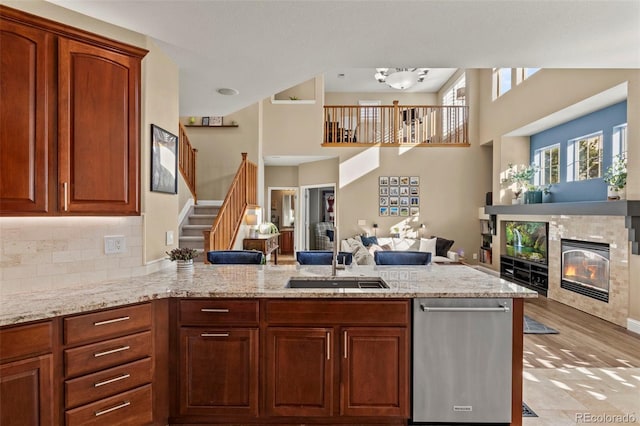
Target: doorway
[317,206]
[282,209]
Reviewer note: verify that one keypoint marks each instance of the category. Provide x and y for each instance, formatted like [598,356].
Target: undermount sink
[337,282]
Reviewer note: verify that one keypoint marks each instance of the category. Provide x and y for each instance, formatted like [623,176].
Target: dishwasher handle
[461,309]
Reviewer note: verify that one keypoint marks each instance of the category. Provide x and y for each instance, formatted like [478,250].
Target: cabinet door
[299,371]
[26,144]
[98,134]
[218,371]
[27,392]
[375,371]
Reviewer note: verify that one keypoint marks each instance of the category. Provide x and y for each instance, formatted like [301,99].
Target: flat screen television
[526,240]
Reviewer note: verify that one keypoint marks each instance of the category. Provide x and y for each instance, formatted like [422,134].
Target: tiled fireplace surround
[601,229]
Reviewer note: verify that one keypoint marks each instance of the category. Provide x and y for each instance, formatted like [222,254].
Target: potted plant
[520,176]
[616,178]
[183,256]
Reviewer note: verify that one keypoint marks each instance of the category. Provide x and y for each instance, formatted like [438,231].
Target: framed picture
[404,201]
[414,180]
[205,121]
[414,190]
[384,211]
[404,190]
[414,201]
[414,211]
[393,211]
[164,161]
[393,201]
[394,180]
[394,191]
[404,211]
[404,180]
[383,180]
[384,190]
[384,201]
[216,120]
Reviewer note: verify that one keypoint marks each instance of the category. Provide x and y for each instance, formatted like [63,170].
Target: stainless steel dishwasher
[462,360]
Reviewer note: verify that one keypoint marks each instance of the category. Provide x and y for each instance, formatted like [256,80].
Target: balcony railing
[395,125]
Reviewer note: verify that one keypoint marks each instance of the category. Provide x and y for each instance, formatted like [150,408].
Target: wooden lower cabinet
[218,371]
[26,389]
[374,371]
[299,369]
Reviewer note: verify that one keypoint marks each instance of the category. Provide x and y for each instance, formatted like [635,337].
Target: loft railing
[395,125]
[187,160]
[243,192]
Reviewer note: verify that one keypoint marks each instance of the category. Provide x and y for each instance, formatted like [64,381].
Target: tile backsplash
[54,252]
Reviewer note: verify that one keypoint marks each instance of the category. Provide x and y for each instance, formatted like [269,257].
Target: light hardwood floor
[588,373]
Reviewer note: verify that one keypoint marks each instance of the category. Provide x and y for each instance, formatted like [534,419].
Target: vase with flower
[616,178]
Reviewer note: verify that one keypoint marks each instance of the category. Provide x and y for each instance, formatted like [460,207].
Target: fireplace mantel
[628,208]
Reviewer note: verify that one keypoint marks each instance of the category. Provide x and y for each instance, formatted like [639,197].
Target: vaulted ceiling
[263,47]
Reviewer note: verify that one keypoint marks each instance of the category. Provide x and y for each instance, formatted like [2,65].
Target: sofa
[363,248]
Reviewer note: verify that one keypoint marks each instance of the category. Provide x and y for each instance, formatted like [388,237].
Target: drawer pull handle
[215,310]
[328,346]
[66,196]
[115,379]
[117,407]
[112,351]
[346,345]
[111,321]
[214,335]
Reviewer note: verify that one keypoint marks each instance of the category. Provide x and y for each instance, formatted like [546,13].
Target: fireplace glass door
[585,266]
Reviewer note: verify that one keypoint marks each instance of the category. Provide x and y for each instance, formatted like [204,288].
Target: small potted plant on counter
[616,178]
[183,257]
[519,177]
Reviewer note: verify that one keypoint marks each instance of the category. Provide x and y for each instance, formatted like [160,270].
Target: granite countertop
[264,281]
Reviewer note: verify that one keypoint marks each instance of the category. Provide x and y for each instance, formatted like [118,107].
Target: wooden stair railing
[396,125]
[243,192]
[187,160]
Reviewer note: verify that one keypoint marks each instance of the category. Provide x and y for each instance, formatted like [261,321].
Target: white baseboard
[185,210]
[216,203]
[633,325]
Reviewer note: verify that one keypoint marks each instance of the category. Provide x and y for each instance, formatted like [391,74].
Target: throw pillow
[367,241]
[428,245]
[442,246]
[330,234]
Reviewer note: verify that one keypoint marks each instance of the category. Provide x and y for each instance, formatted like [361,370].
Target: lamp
[252,221]
[422,228]
[401,78]
[375,229]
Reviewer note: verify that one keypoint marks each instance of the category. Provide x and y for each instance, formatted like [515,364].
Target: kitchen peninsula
[230,343]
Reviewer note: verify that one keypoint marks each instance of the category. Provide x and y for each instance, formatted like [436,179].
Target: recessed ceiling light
[228,91]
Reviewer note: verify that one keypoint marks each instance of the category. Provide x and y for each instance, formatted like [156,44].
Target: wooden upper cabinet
[98,134]
[25,141]
[70,122]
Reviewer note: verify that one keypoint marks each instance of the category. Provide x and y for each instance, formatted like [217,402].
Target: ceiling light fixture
[228,91]
[401,78]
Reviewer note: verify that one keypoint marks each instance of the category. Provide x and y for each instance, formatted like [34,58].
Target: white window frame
[573,153]
[521,73]
[619,141]
[539,159]
[369,114]
[498,82]
[450,98]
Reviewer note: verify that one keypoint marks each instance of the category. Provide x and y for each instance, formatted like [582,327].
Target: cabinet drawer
[328,312]
[25,341]
[105,383]
[130,408]
[219,312]
[109,353]
[105,324]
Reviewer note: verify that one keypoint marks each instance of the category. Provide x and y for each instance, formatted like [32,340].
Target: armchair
[322,239]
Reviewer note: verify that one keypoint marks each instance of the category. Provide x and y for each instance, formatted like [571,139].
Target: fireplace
[585,268]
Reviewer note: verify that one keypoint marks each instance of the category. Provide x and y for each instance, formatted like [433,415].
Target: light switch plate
[169,238]
[114,244]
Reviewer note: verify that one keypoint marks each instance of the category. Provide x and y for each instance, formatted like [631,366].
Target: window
[456,94]
[584,157]
[454,118]
[619,141]
[548,161]
[525,73]
[369,113]
[501,81]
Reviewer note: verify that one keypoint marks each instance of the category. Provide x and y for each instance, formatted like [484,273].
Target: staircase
[199,220]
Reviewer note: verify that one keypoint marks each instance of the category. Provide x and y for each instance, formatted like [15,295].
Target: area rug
[527,412]
[532,326]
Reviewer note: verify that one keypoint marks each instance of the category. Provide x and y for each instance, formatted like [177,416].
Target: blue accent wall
[602,120]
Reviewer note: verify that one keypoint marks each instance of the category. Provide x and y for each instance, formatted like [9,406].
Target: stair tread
[191,238]
[196,226]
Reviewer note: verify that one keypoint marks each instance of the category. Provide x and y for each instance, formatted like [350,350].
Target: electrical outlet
[169,238]
[475,256]
[114,244]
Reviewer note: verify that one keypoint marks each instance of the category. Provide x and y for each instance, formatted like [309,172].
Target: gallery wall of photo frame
[398,196]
